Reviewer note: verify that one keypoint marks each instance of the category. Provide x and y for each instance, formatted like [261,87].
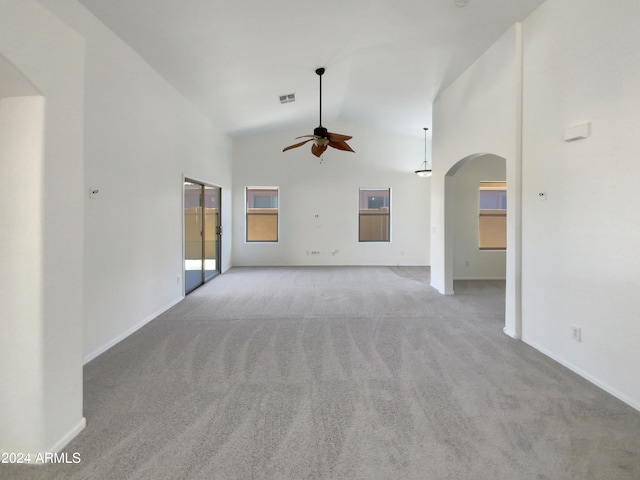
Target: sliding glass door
[212,231]
[202,231]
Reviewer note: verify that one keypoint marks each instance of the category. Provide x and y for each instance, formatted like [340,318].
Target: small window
[374,217]
[262,214]
[492,222]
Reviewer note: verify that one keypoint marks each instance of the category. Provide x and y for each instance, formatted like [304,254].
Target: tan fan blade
[340,145]
[296,145]
[337,137]
[316,150]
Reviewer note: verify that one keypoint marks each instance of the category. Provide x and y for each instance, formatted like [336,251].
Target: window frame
[264,211]
[487,229]
[381,213]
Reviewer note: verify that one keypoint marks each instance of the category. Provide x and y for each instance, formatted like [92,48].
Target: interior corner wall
[42,179]
[478,114]
[580,246]
[469,262]
[318,208]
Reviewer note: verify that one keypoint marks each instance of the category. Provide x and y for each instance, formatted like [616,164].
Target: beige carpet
[341,373]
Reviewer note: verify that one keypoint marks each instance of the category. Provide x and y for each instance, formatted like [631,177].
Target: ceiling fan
[321,137]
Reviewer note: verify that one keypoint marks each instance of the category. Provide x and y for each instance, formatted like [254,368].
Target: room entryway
[202,231]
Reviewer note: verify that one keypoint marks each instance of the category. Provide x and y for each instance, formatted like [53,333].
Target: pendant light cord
[425,146]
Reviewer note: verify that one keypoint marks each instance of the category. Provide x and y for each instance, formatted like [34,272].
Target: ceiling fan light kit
[424,170]
[321,137]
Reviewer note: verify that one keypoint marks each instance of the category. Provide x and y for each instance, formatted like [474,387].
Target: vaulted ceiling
[386,60]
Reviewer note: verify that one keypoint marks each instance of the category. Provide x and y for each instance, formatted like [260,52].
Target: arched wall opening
[473,257]
[479,113]
[512,254]
[450,214]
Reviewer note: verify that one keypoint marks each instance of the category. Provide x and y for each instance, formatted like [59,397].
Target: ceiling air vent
[291,97]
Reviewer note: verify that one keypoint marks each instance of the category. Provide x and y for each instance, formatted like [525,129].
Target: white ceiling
[385,60]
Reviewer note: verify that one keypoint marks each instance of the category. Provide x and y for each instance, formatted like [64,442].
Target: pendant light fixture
[424,170]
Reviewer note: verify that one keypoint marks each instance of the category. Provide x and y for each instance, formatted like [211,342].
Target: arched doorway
[512,253]
[479,217]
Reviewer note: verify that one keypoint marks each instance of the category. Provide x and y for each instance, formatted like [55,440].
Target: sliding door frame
[217,229]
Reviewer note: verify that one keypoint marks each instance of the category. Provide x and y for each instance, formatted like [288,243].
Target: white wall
[480,113]
[21,172]
[329,189]
[469,262]
[111,264]
[141,137]
[41,221]
[580,257]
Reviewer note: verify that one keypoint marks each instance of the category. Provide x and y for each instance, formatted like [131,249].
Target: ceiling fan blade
[317,150]
[340,145]
[296,145]
[307,136]
[337,137]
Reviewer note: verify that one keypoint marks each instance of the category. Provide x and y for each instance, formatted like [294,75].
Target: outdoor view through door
[202,230]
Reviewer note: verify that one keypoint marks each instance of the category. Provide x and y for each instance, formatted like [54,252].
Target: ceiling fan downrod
[320,71]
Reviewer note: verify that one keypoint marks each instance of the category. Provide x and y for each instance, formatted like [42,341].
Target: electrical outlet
[576,333]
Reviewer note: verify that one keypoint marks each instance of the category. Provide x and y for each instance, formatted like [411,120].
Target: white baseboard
[513,334]
[442,292]
[52,454]
[125,334]
[479,278]
[596,381]
[60,444]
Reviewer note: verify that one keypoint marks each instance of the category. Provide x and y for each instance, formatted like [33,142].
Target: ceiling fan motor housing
[320,132]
